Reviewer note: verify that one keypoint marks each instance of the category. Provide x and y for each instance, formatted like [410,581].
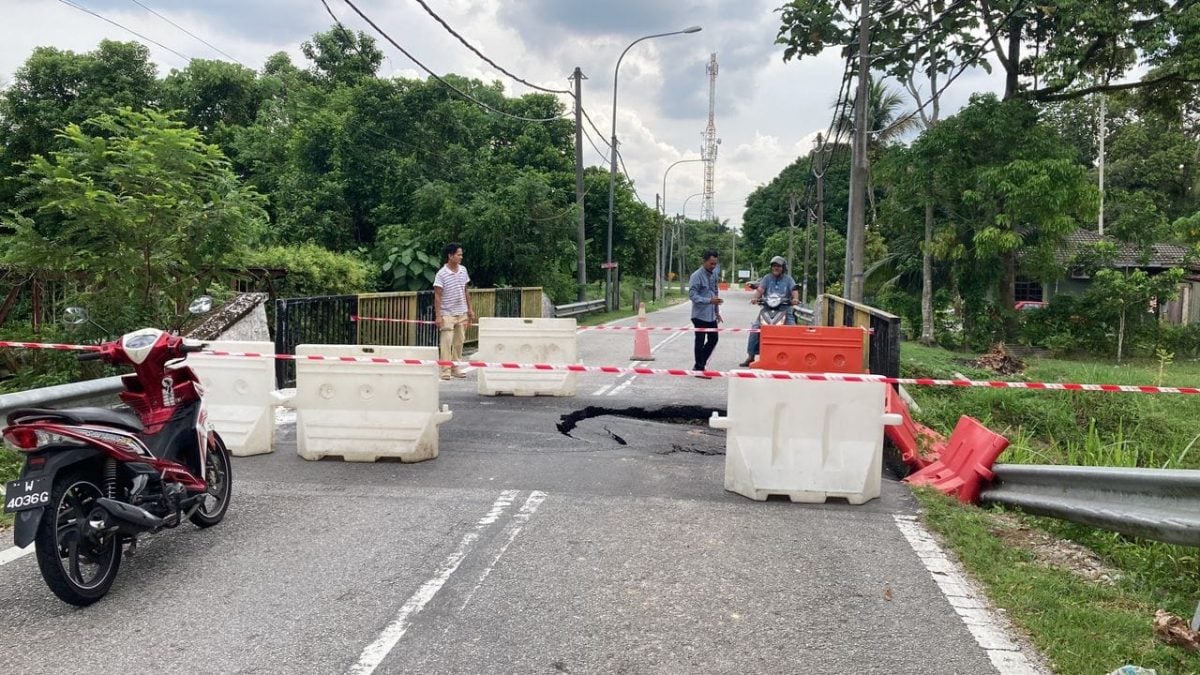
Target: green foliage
[139,214]
[312,270]
[405,266]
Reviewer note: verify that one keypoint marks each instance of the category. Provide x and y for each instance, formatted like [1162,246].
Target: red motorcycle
[94,479]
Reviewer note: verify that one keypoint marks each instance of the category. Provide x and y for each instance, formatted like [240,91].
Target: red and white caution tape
[682,329]
[677,372]
[44,345]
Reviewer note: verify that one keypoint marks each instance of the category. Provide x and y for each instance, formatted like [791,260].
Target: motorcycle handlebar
[88,356]
[187,349]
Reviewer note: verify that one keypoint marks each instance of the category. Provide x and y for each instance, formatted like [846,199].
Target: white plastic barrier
[806,440]
[364,411]
[509,340]
[238,395]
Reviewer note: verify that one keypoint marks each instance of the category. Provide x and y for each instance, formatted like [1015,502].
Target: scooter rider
[778,282]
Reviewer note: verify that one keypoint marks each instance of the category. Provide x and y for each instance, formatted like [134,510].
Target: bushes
[313,270]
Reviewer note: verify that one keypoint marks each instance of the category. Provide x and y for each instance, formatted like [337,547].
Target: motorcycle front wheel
[78,564]
[218,475]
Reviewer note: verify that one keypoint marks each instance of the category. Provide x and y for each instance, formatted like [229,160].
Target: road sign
[743,274]
[608,266]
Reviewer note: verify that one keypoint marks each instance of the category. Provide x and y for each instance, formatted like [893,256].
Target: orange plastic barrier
[812,349]
[965,463]
[723,286]
[919,445]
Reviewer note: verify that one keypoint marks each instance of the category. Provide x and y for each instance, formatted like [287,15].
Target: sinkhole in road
[684,415]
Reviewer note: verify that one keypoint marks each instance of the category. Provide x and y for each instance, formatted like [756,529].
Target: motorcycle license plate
[26,493]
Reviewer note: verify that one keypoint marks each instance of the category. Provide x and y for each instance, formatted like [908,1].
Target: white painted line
[377,651]
[514,528]
[601,390]
[621,387]
[972,608]
[662,344]
[14,553]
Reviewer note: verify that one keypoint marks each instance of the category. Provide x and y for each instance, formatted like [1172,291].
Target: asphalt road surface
[521,549]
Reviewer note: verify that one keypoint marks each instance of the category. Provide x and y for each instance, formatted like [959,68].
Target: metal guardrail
[577,308]
[1158,504]
[88,391]
[806,315]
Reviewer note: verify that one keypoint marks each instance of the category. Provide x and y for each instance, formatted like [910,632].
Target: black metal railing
[883,357]
[321,320]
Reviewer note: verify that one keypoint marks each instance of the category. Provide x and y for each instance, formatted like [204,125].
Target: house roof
[1158,256]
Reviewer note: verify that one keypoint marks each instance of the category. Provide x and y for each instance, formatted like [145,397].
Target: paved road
[521,549]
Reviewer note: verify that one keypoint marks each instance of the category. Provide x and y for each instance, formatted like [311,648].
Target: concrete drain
[687,415]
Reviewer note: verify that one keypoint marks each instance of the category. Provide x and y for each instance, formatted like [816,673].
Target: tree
[136,210]
[340,57]
[1006,185]
[1118,292]
[1053,50]
[55,88]
[214,96]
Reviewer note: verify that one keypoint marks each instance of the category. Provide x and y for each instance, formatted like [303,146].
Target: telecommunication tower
[709,149]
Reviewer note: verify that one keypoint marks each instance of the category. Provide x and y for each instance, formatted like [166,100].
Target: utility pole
[1103,133]
[818,163]
[791,230]
[581,234]
[682,223]
[856,230]
[807,237]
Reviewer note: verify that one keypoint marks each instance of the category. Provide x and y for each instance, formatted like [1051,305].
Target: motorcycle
[775,310]
[95,479]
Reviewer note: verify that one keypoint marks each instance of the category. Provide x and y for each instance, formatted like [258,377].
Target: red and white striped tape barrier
[677,372]
[680,329]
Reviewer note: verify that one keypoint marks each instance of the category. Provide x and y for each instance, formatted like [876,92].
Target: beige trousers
[452,330]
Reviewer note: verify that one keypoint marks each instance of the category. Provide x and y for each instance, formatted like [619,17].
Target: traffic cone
[641,337]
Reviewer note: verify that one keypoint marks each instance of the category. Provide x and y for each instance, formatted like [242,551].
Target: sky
[767,112]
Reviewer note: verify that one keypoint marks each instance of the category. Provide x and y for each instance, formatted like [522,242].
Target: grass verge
[1083,626]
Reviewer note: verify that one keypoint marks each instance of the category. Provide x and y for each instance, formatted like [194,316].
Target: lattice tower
[709,149]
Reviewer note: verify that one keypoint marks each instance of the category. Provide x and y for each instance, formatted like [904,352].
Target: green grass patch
[1082,626]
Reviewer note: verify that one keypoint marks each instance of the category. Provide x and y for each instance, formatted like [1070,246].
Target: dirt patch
[1050,551]
[1000,361]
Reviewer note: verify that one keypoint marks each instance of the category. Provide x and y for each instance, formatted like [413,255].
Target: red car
[1029,304]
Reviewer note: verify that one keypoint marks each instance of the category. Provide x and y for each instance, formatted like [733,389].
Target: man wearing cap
[778,282]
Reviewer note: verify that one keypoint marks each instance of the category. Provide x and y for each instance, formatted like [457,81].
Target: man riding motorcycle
[779,283]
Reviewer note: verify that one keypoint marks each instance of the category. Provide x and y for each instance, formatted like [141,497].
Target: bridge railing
[884,341]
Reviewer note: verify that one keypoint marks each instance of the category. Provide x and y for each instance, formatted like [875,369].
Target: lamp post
[683,242]
[658,272]
[612,174]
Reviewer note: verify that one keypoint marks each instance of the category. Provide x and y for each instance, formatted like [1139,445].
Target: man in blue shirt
[778,282]
[706,308]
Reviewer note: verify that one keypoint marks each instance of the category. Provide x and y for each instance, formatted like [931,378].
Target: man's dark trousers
[706,342]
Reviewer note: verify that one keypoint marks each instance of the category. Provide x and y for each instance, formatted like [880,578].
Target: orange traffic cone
[641,337]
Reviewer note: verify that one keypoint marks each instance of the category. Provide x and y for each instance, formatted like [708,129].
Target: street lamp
[612,174]
[658,272]
[683,241]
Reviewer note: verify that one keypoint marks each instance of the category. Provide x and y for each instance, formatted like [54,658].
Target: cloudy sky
[767,111]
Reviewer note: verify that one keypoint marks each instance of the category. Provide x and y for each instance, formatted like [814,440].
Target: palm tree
[885,124]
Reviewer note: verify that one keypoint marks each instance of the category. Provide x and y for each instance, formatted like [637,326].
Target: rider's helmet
[779,260]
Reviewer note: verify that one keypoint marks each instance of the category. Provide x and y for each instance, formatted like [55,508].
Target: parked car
[1029,304]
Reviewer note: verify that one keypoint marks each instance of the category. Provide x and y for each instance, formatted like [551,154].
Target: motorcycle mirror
[201,305]
[75,316]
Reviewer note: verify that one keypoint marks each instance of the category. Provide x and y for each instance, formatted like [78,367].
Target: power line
[603,157]
[594,127]
[490,62]
[130,30]
[431,73]
[206,42]
[631,185]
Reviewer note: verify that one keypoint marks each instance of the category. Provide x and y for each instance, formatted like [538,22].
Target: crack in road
[672,414]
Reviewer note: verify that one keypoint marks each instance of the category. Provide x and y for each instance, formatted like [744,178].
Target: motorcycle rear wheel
[218,474]
[78,565]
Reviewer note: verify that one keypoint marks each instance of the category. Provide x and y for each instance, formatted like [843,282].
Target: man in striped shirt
[452,307]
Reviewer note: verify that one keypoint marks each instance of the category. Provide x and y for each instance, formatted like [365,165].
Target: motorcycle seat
[107,416]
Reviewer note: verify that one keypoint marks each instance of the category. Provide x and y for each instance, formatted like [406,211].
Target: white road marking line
[973,609]
[621,387]
[601,390]
[660,345]
[377,651]
[518,522]
[14,553]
